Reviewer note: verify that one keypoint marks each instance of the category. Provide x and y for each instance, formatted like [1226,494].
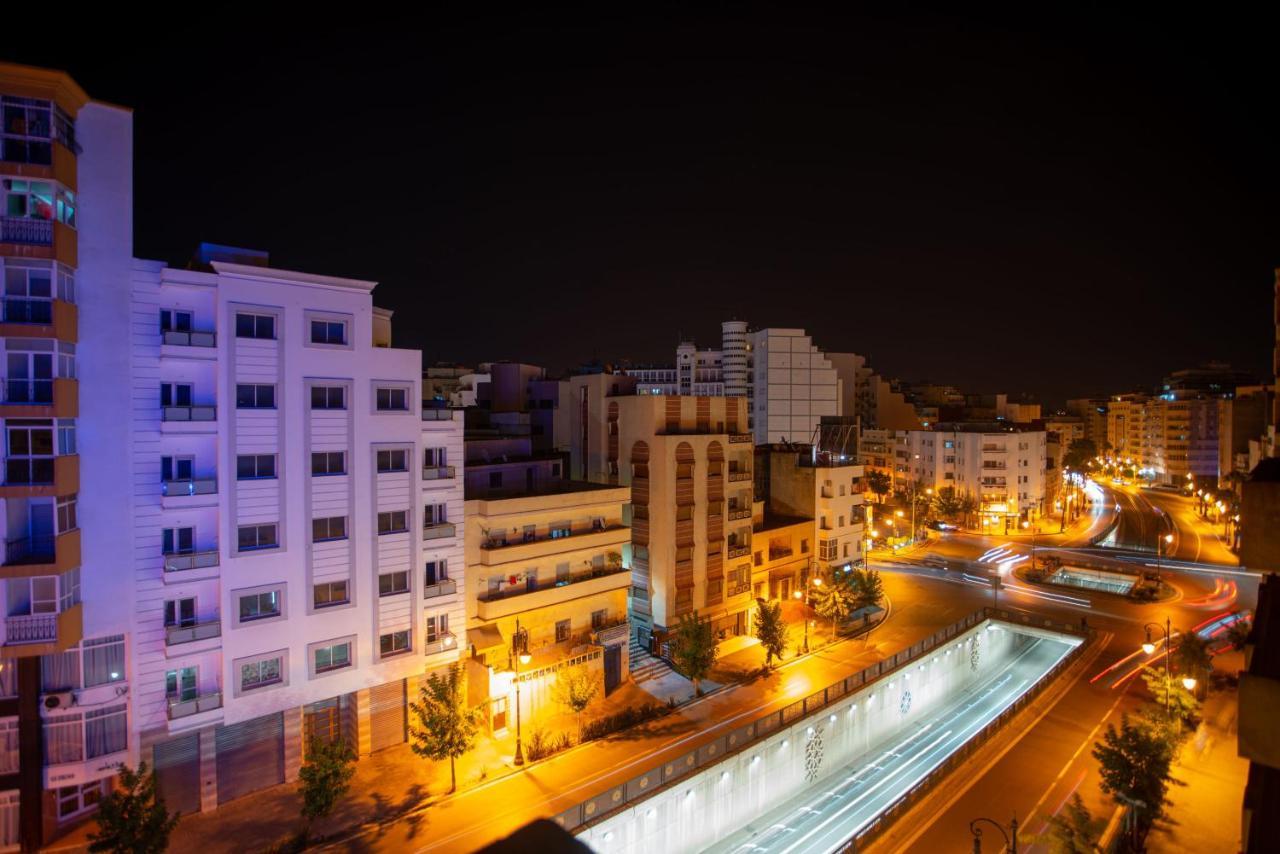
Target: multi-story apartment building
[696,372]
[1093,410]
[1169,436]
[296,546]
[827,488]
[794,384]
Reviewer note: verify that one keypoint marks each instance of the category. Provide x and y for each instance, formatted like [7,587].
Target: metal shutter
[250,756]
[177,764]
[387,715]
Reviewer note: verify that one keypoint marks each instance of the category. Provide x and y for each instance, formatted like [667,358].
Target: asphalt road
[832,810]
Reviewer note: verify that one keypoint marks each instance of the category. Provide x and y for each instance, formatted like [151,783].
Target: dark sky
[1059,205]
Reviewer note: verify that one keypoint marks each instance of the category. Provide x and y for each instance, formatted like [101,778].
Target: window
[393,583]
[257,606]
[30,457]
[181,685]
[180,612]
[174,320]
[103,660]
[255,466]
[434,514]
[437,627]
[329,593]
[73,800]
[394,643]
[389,461]
[255,396]
[328,462]
[176,394]
[393,522]
[67,514]
[255,325]
[261,673]
[251,537]
[599,618]
[562,631]
[28,294]
[29,199]
[434,457]
[331,657]
[328,397]
[67,436]
[329,528]
[27,130]
[436,571]
[178,541]
[177,468]
[393,399]
[328,332]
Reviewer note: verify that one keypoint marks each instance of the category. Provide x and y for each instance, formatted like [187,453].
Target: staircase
[643,665]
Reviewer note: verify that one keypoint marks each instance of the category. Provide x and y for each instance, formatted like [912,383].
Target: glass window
[257,674]
[394,643]
[329,593]
[393,522]
[73,800]
[255,466]
[437,627]
[434,514]
[393,583]
[332,657]
[255,396]
[255,325]
[178,540]
[328,397]
[328,332]
[106,731]
[328,462]
[29,199]
[329,528]
[26,130]
[389,461]
[393,399]
[257,537]
[256,606]
[437,571]
[562,631]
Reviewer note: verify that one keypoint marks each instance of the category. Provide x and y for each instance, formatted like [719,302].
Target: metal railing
[29,550]
[548,584]
[37,310]
[180,562]
[739,551]
[39,391]
[744,513]
[502,542]
[437,414]
[739,475]
[438,530]
[31,628]
[734,438]
[440,588]
[444,642]
[19,229]
[625,795]
[29,471]
[189,413]
[190,486]
[438,472]
[188,338]
[195,632]
[203,703]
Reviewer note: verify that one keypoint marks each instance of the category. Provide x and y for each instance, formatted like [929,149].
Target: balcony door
[175,394]
[172,320]
[176,468]
[180,612]
[29,377]
[179,541]
[180,685]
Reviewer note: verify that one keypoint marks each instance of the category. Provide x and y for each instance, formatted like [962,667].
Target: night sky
[1060,206]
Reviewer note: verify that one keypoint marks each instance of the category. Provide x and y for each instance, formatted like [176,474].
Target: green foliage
[1238,634]
[541,746]
[868,588]
[968,506]
[442,727]
[879,483]
[1192,656]
[1079,453]
[624,719]
[1073,830]
[1182,703]
[575,688]
[133,819]
[695,649]
[1134,762]
[325,777]
[947,504]
[836,599]
[771,631]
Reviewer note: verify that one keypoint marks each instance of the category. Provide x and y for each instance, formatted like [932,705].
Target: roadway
[833,810]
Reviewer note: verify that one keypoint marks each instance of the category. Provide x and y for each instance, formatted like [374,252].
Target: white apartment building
[696,372]
[295,556]
[794,386]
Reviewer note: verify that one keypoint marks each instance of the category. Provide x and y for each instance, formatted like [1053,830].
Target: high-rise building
[794,386]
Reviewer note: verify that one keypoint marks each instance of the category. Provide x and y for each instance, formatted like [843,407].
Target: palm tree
[836,600]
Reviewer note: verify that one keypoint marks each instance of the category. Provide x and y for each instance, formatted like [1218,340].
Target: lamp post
[1148,647]
[804,604]
[1010,836]
[1034,531]
[520,649]
[1167,538]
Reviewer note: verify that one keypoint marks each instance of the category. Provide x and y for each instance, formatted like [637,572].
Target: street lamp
[520,649]
[1025,525]
[1010,836]
[1168,539]
[1149,648]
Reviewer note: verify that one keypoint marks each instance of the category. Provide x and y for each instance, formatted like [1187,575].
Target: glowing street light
[1189,682]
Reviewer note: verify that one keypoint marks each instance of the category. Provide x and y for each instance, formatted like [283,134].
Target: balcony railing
[20,229]
[28,310]
[739,437]
[191,486]
[438,530]
[561,534]
[437,414]
[548,584]
[196,705]
[188,413]
[739,551]
[198,631]
[29,471]
[29,550]
[28,391]
[31,628]
[736,475]
[444,642]
[179,562]
[739,513]
[438,472]
[778,554]
[187,338]
[440,588]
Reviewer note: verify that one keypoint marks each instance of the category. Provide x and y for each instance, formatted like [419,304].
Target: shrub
[625,719]
[541,745]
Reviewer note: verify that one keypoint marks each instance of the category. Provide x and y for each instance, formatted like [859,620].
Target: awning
[485,637]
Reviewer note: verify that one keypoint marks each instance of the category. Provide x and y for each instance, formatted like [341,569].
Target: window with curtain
[103,660]
[60,671]
[64,739]
[106,730]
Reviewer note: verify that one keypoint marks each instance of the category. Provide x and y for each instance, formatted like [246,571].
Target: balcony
[437,414]
[444,643]
[42,555]
[188,413]
[56,397]
[187,338]
[738,475]
[41,477]
[29,232]
[190,566]
[33,628]
[30,635]
[493,605]
[203,703]
[498,552]
[27,317]
[174,635]
[736,513]
[442,588]
[439,473]
[190,492]
[739,551]
[734,438]
[438,531]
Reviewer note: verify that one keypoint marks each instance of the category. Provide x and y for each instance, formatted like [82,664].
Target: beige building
[551,562]
[826,489]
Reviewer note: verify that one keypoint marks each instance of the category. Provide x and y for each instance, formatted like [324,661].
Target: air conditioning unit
[59,700]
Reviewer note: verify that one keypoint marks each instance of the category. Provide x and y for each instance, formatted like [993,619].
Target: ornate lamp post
[1010,836]
[1149,648]
[520,651]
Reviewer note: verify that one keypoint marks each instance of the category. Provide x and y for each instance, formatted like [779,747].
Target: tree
[695,649]
[836,600]
[947,503]
[1181,703]
[1134,763]
[868,588]
[575,688]
[1238,634]
[1073,830]
[445,727]
[133,818]
[324,777]
[879,483]
[770,630]
[968,506]
[1079,453]
[1193,657]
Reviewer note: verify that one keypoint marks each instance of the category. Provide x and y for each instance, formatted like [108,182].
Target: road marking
[1087,739]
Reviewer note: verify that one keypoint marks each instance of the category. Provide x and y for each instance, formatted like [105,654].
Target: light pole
[1149,648]
[1010,836]
[520,649]
[1034,531]
[1167,538]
